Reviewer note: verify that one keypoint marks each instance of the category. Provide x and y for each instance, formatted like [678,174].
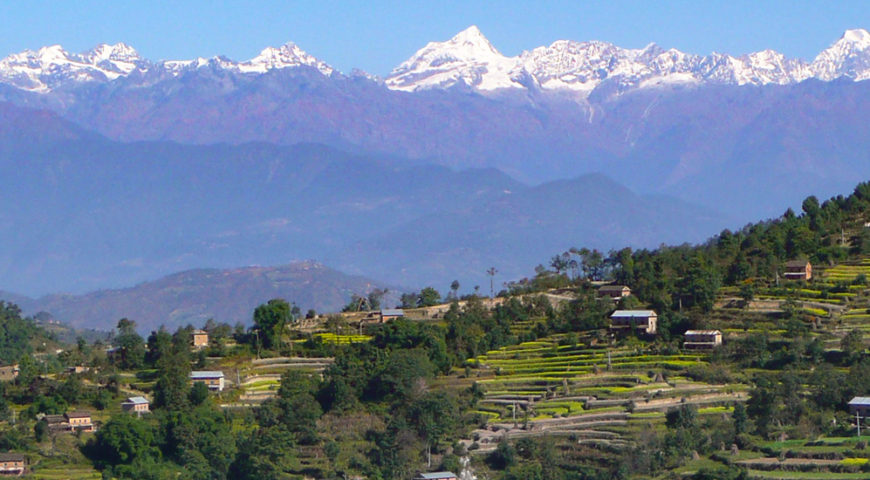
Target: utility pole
[491,272]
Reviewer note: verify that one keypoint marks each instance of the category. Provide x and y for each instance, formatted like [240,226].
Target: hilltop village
[743,357]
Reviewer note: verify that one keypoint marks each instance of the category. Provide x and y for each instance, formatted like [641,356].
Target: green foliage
[198,394]
[172,389]
[267,453]
[503,456]
[123,439]
[404,374]
[270,320]
[131,347]
[684,433]
[295,408]
[739,418]
[723,473]
[40,431]
[852,345]
[429,297]
[16,334]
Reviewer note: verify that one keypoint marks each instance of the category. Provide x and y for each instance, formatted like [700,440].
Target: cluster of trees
[186,433]
[685,276]
[17,334]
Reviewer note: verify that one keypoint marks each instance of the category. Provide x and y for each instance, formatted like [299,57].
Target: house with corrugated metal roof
[640,320]
[436,476]
[137,405]
[860,406]
[214,380]
[702,339]
[391,314]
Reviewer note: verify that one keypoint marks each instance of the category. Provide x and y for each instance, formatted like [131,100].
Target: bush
[503,456]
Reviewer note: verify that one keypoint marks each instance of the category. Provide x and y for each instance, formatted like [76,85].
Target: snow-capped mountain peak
[472,40]
[848,57]
[468,58]
[116,52]
[51,66]
[857,36]
[288,55]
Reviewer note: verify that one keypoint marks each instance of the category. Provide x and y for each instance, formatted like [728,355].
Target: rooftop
[612,287]
[860,401]
[797,263]
[703,332]
[393,312]
[78,415]
[207,374]
[633,313]
[137,400]
[437,475]
[11,457]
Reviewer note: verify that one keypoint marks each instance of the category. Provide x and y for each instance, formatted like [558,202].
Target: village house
[77,369]
[12,464]
[137,405]
[642,320]
[798,270]
[702,339]
[614,291]
[200,339]
[214,380]
[9,372]
[436,476]
[391,314]
[56,423]
[860,406]
[69,422]
[80,421]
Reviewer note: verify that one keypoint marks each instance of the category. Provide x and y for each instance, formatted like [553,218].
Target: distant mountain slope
[521,229]
[660,121]
[80,215]
[194,296]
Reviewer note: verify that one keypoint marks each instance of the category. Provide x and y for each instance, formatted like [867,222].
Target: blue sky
[377,35]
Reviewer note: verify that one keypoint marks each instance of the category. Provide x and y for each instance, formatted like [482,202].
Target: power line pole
[491,272]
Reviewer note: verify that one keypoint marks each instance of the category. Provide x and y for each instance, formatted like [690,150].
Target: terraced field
[260,378]
[827,458]
[594,394]
[847,272]
[338,339]
[76,472]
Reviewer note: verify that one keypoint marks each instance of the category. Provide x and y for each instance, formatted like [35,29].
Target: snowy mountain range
[469,60]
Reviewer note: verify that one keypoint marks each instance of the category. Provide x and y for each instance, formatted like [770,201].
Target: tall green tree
[130,344]
[270,319]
